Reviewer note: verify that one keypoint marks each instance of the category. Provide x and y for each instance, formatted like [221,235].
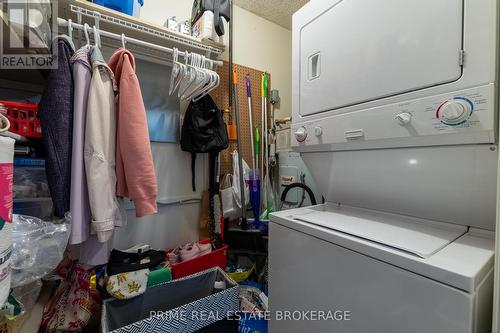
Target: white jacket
[100,149]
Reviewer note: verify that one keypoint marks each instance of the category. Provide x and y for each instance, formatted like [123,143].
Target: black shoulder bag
[203,131]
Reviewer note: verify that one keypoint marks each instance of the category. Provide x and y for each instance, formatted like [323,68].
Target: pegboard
[221,98]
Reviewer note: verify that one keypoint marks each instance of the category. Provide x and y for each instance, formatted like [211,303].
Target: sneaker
[173,256]
[189,251]
[205,248]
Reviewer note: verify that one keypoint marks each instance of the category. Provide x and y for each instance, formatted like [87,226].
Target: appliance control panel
[463,117]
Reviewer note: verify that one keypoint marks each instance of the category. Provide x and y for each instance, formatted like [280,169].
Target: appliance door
[350,48]
[309,274]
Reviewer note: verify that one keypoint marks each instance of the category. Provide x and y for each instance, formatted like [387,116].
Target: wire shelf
[151,31]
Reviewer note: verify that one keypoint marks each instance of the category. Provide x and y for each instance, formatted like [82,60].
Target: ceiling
[277,11]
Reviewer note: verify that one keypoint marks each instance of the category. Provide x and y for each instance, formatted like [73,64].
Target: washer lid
[419,237]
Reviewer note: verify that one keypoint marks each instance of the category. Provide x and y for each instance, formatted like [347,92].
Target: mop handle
[249,90]
[235,77]
[263,134]
[240,158]
[264,85]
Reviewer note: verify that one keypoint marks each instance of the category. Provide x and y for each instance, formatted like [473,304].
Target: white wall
[258,43]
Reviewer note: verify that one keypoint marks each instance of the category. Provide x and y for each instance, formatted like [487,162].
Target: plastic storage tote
[129,7]
[184,306]
[23,118]
[217,258]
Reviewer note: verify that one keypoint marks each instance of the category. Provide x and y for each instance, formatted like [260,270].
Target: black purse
[220,8]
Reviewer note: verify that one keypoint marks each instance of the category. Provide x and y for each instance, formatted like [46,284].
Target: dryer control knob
[301,134]
[455,112]
[404,118]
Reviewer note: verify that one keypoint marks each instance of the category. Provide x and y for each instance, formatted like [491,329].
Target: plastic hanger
[124,41]
[182,83]
[70,28]
[97,41]
[175,70]
[182,72]
[200,81]
[207,80]
[190,75]
[210,88]
[97,31]
[195,79]
[85,27]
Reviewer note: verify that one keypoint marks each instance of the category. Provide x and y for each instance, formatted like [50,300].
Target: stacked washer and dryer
[395,111]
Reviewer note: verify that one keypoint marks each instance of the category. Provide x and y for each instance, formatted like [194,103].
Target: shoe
[140,248]
[173,256]
[123,257]
[204,248]
[122,262]
[189,251]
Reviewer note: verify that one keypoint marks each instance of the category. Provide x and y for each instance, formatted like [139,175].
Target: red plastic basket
[199,264]
[23,118]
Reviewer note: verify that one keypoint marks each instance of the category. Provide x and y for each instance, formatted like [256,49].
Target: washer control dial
[455,111]
[301,134]
[404,118]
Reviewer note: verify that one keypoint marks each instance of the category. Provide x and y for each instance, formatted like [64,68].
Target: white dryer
[394,112]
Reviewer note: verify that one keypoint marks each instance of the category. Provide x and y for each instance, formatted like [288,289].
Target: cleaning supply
[6,179]
[254,172]
[267,187]
[250,117]
[231,128]
[263,90]
[255,182]
[240,159]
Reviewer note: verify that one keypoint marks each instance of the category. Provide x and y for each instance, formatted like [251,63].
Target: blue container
[129,7]
[261,225]
[251,323]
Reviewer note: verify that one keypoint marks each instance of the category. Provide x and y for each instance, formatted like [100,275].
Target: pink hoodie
[135,172]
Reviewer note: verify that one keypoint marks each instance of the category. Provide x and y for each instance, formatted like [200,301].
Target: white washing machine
[392,271]
[395,114]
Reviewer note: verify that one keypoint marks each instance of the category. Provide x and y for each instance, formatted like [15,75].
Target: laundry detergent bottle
[6,183]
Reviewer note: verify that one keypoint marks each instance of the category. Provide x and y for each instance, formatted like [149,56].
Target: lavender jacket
[79,203]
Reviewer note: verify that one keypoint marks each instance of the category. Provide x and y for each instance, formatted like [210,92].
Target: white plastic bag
[6,178]
[37,247]
[236,180]
[230,208]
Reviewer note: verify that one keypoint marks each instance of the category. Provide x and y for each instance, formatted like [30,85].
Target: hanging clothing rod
[64,23]
[162,33]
